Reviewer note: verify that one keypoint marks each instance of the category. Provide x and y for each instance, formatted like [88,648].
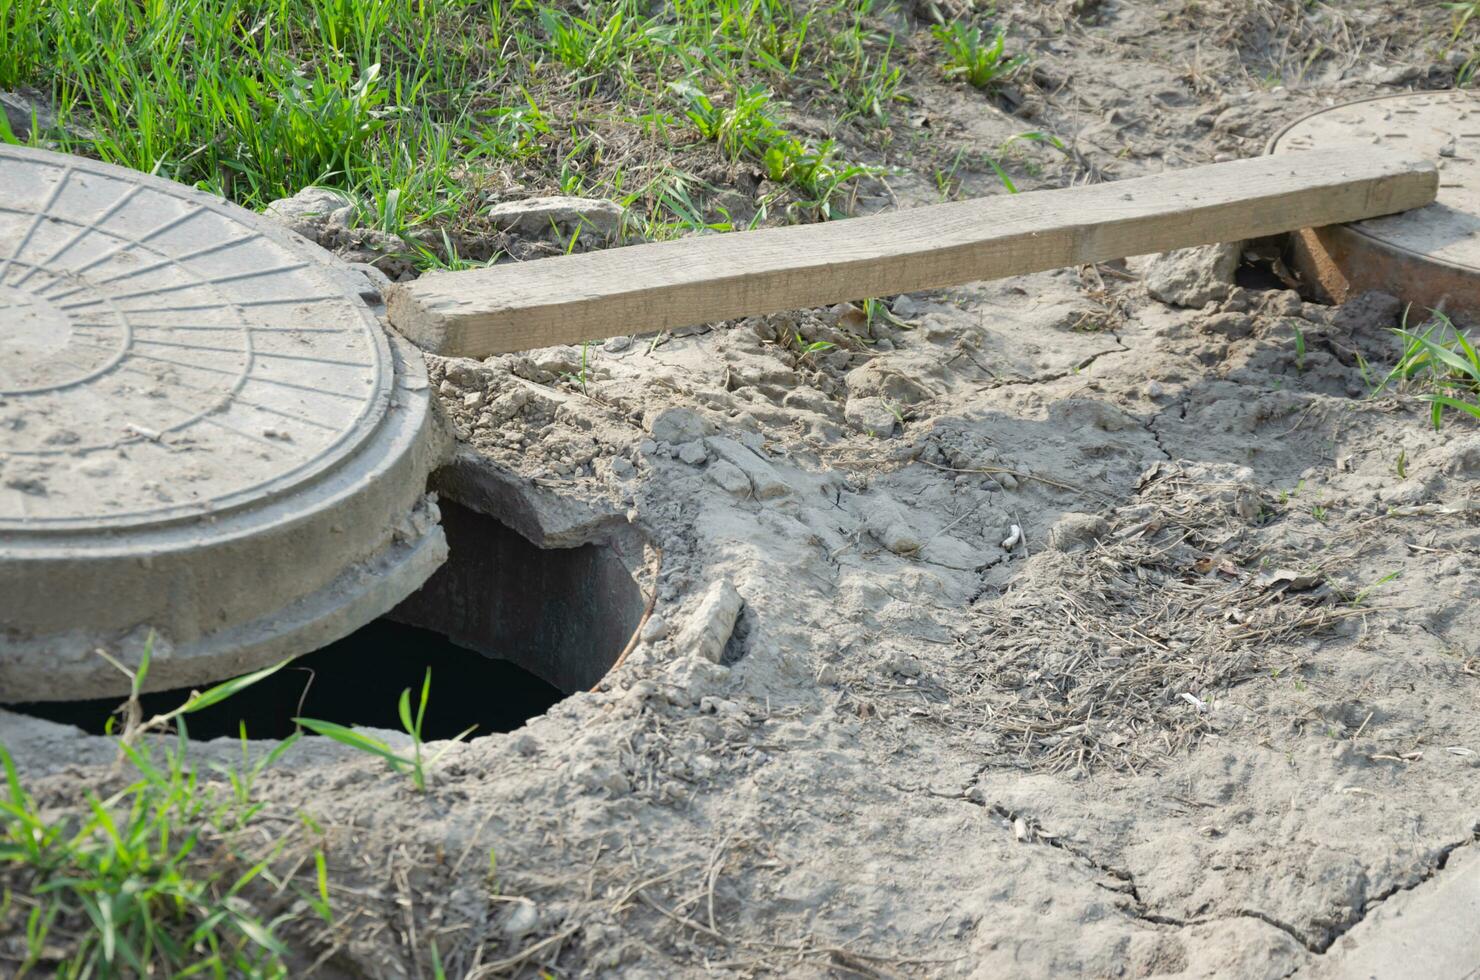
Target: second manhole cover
[1429,256]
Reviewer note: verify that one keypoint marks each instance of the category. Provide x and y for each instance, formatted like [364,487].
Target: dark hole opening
[354,681]
[507,628]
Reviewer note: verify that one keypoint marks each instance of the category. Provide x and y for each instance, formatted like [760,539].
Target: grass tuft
[415,765]
[1439,357]
[982,64]
[165,876]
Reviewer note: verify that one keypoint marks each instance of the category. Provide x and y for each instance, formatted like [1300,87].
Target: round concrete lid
[205,436]
[1431,253]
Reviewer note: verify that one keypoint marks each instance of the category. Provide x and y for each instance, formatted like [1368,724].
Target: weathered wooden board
[716,277]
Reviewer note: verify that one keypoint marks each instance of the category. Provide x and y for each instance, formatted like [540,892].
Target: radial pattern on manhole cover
[161,357]
[1431,254]
[206,436]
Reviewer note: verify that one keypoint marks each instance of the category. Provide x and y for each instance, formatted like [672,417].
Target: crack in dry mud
[1079,367]
[1151,429]
[1034,834]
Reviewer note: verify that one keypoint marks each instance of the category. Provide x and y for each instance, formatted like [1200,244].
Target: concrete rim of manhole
[1429,256]
[207,437]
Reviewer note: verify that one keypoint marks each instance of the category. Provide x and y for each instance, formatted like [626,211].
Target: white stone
[549,216]
[712,623]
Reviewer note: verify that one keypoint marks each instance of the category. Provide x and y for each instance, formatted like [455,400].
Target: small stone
[617,344]
[675,425]
[905,306]
[730,478]
[473,400]
[622,468]
[1076,532]
[713,622]
[654,629]
[562,216]
[693,453]
[765,482]
[312,212]
[870,414]
[693,678]
[1193,277]
[899,538]
[1230,325]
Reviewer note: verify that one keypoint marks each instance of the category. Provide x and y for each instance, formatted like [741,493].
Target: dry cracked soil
[1078,633]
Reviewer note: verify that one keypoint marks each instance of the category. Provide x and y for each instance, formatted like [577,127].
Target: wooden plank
[639,288]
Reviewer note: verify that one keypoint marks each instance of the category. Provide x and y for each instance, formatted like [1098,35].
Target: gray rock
[551,216]
[22,107]
[905,306]
[1372,310]
[313,212]
[730,478]
[713,622]
[676,425]
[693,453]
[764,480]
[654,629]
[870,414]
[1077,532]
[899,538]
[1193,277]
[1230,325]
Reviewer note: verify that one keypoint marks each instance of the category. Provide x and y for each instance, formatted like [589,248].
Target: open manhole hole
[209,443]
[1429,256]
[506,628]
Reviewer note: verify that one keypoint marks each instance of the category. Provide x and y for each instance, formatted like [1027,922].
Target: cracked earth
[1080,634]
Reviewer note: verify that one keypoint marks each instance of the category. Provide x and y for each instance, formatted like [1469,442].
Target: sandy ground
[1082,634]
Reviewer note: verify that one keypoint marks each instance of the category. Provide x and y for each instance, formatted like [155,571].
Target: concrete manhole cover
[204,432]
[1431,255]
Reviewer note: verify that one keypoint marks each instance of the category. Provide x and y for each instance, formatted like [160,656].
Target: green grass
[1441,359]
[419,107]
[416,765]
[1466,38]
[168,874]
[968,56]
[152,878]
[161,869]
